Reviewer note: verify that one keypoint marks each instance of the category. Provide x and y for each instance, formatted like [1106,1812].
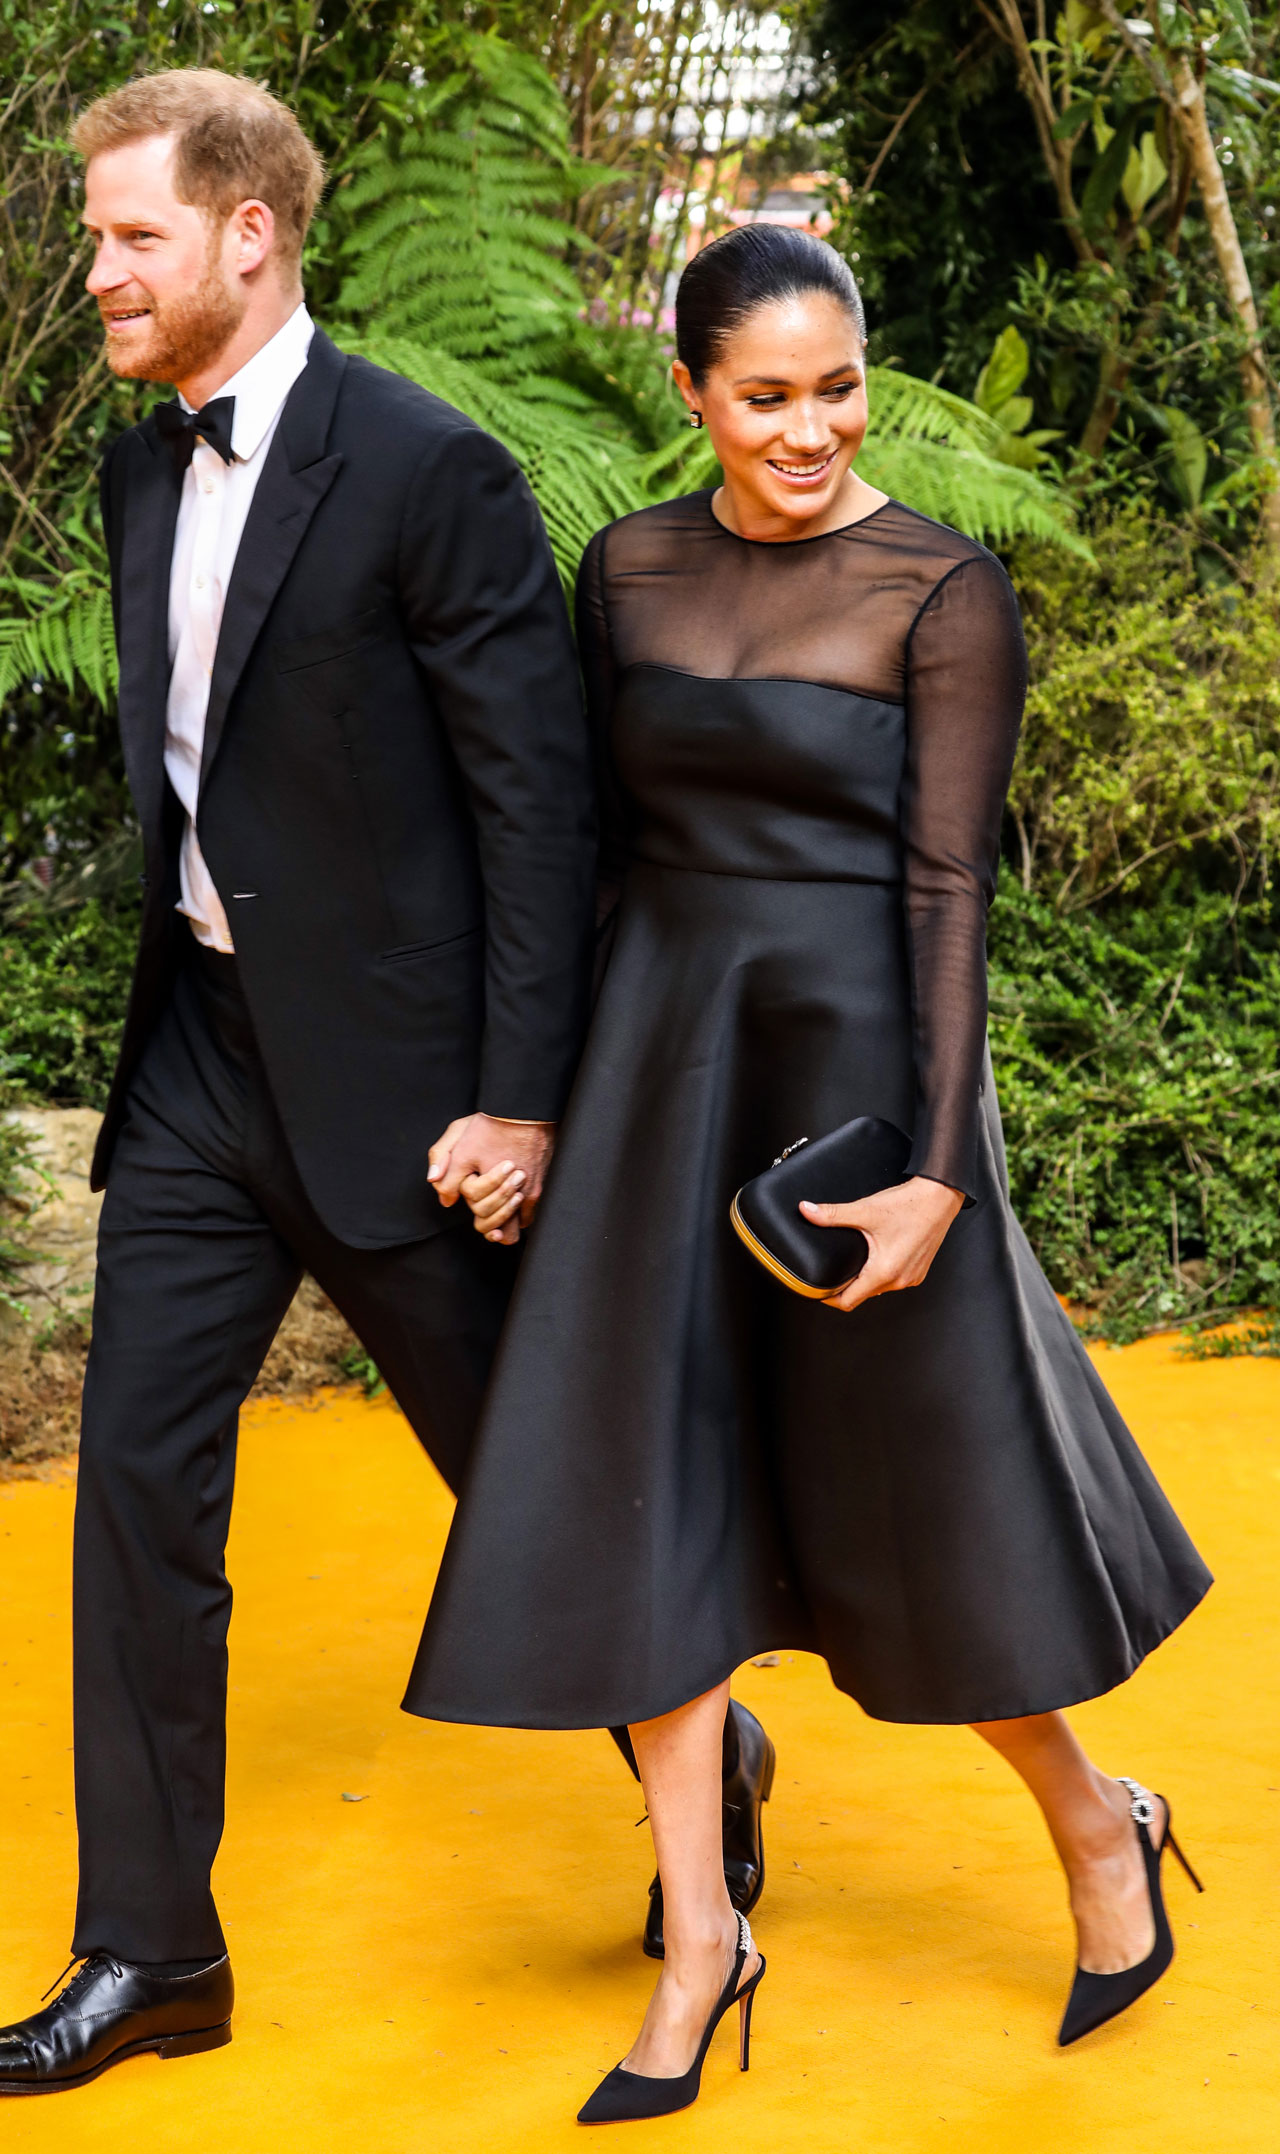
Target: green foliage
[580,477]
[68,638]
[1258,1340]
[1014,166]
[1136,1068]
[64,979]
[977,490]
[455,232]
[1136,939]
[1152,737]
[938,219]
[20,1176]
[949,458]
[996,393]
[363,1370]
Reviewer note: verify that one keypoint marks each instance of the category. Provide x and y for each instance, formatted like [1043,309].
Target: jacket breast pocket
[337,641]
[408,953]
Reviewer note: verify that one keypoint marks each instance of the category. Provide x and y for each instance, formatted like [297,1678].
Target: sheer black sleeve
[966,681]
[599,673]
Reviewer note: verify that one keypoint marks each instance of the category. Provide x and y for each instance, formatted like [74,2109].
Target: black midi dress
[805,750]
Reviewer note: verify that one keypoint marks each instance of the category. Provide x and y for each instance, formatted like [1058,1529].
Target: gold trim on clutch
[770,1262]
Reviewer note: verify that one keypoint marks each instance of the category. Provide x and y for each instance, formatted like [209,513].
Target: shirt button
[199,583]
[206,486]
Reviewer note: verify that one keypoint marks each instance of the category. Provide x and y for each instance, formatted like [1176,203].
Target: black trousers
[206,1231]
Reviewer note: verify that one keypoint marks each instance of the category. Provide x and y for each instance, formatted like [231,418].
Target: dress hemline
[1021,1711]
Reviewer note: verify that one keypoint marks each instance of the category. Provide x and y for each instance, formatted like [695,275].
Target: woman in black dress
[807,699]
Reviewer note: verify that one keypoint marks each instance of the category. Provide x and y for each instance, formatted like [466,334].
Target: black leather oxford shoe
[746,1789]
[109,2011]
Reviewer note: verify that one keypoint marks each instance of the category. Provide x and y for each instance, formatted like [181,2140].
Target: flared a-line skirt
[682,1465]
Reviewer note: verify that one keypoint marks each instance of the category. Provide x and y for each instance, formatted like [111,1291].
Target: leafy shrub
[19,1169]
[1137,1072]
[64,977]
[1152,738]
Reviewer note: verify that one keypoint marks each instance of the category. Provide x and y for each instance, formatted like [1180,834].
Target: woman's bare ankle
[693,1943]
[1101,1832]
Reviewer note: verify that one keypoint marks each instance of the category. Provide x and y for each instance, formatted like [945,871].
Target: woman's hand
[905,1228]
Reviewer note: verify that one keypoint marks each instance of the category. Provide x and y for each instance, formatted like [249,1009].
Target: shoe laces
[87,1961]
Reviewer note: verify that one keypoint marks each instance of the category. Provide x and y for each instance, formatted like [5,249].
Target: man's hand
[498,1167]
[905,1228]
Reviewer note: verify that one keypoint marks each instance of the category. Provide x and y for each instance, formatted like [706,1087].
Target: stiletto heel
[623,2097]
[1174,1849]
[1096,1998]
[744,2029]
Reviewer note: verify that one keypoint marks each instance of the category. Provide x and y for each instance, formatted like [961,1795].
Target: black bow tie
[179,428]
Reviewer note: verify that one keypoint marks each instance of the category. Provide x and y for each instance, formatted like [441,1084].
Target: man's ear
[252,230]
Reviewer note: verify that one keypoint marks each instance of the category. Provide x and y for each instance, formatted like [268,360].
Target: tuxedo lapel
[295,479]
[152,489]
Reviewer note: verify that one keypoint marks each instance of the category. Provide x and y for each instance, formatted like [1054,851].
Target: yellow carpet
[448,1963]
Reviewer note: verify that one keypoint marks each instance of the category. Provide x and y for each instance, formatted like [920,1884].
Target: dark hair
[749,268]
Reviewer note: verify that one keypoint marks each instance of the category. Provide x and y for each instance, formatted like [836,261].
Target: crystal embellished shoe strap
[1142,1803]
[745,1946]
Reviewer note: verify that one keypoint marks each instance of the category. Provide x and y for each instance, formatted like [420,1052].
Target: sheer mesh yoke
[894,611]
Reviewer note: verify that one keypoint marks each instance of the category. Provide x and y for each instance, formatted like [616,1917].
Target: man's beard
[187,333]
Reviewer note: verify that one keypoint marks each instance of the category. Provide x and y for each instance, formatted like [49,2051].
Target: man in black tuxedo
[353,732]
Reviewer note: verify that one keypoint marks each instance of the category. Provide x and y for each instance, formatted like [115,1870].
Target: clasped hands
[498,1168]
[905,1228]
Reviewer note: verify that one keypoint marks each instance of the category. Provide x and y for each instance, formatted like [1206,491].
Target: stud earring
[695,418]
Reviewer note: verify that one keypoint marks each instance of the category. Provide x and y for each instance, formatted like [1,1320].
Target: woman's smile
[810,472]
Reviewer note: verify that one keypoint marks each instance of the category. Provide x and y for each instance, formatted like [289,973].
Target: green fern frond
[904,406]
[580,477]
[457,234]
[65,637]
[991,501]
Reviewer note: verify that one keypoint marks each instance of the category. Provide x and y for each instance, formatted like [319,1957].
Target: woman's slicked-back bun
[751,267]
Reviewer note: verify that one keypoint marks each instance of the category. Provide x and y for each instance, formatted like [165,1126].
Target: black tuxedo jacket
[396,803]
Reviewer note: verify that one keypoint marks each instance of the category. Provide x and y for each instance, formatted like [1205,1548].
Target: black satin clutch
[865,1156]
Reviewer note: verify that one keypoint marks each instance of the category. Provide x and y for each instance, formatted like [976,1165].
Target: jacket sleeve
[966,682]
[488,624]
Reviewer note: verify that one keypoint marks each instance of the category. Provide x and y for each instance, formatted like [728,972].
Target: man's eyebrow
[125,224]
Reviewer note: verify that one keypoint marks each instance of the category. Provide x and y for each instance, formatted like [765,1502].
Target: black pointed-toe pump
[1096,1998]
[623,2097]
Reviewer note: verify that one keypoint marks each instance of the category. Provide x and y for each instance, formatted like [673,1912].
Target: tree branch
[1011,30]
[904,116]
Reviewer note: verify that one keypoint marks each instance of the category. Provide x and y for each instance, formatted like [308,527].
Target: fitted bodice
[759,777]
[838,708]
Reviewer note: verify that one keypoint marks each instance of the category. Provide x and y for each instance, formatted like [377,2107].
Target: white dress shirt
[211,518]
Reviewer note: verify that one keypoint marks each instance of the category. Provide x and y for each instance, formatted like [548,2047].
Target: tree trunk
[1194,123]
[1113,380]
[1009,25]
